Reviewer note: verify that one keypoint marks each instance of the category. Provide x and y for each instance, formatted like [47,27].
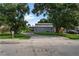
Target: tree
[60,15]
[14,15]
[43,21]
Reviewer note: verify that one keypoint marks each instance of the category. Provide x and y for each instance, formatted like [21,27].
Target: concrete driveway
[40,46]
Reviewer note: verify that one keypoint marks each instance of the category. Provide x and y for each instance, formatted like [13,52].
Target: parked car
[72,32]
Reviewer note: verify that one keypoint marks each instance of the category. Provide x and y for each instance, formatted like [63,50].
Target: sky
[31,18]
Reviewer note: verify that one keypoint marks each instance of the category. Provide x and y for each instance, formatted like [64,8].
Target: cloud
[32,19]
[29,17]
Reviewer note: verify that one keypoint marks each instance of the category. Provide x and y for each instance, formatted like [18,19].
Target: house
[43,27]
[4,28]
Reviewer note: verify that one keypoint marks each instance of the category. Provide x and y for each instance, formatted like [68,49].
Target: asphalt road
[40,46]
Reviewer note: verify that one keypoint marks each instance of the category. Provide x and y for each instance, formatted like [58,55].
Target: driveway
[40,46]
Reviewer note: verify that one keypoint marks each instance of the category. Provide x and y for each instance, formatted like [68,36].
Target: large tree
[13,15]
[60,15]
[43,21]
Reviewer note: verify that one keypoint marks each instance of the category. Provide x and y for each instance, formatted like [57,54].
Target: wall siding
[43,29]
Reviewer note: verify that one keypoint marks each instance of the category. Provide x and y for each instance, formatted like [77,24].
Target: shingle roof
[43,25]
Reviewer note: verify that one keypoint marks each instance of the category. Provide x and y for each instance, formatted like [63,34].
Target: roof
[43,25]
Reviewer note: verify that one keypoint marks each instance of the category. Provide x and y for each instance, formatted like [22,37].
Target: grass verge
[70,36]
[17,36]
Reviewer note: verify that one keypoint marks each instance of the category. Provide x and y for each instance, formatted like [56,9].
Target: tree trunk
[61,30]
[57,29]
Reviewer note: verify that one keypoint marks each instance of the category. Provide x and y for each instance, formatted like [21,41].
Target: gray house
[43,27]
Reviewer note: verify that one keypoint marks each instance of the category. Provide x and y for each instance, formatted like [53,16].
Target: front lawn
[70,36]
[47,33]
[17,36]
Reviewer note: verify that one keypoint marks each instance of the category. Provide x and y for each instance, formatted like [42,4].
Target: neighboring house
[43,27]
[48,27]
[77,29]
[4,28]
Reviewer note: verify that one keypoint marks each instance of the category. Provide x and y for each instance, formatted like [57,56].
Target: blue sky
[31,18]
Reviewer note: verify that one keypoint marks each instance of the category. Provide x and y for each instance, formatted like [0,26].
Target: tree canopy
[60,15]
[43,21]
[13,14]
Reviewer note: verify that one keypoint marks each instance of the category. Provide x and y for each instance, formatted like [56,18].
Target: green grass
[49,34]
[70,36]
[17,36]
